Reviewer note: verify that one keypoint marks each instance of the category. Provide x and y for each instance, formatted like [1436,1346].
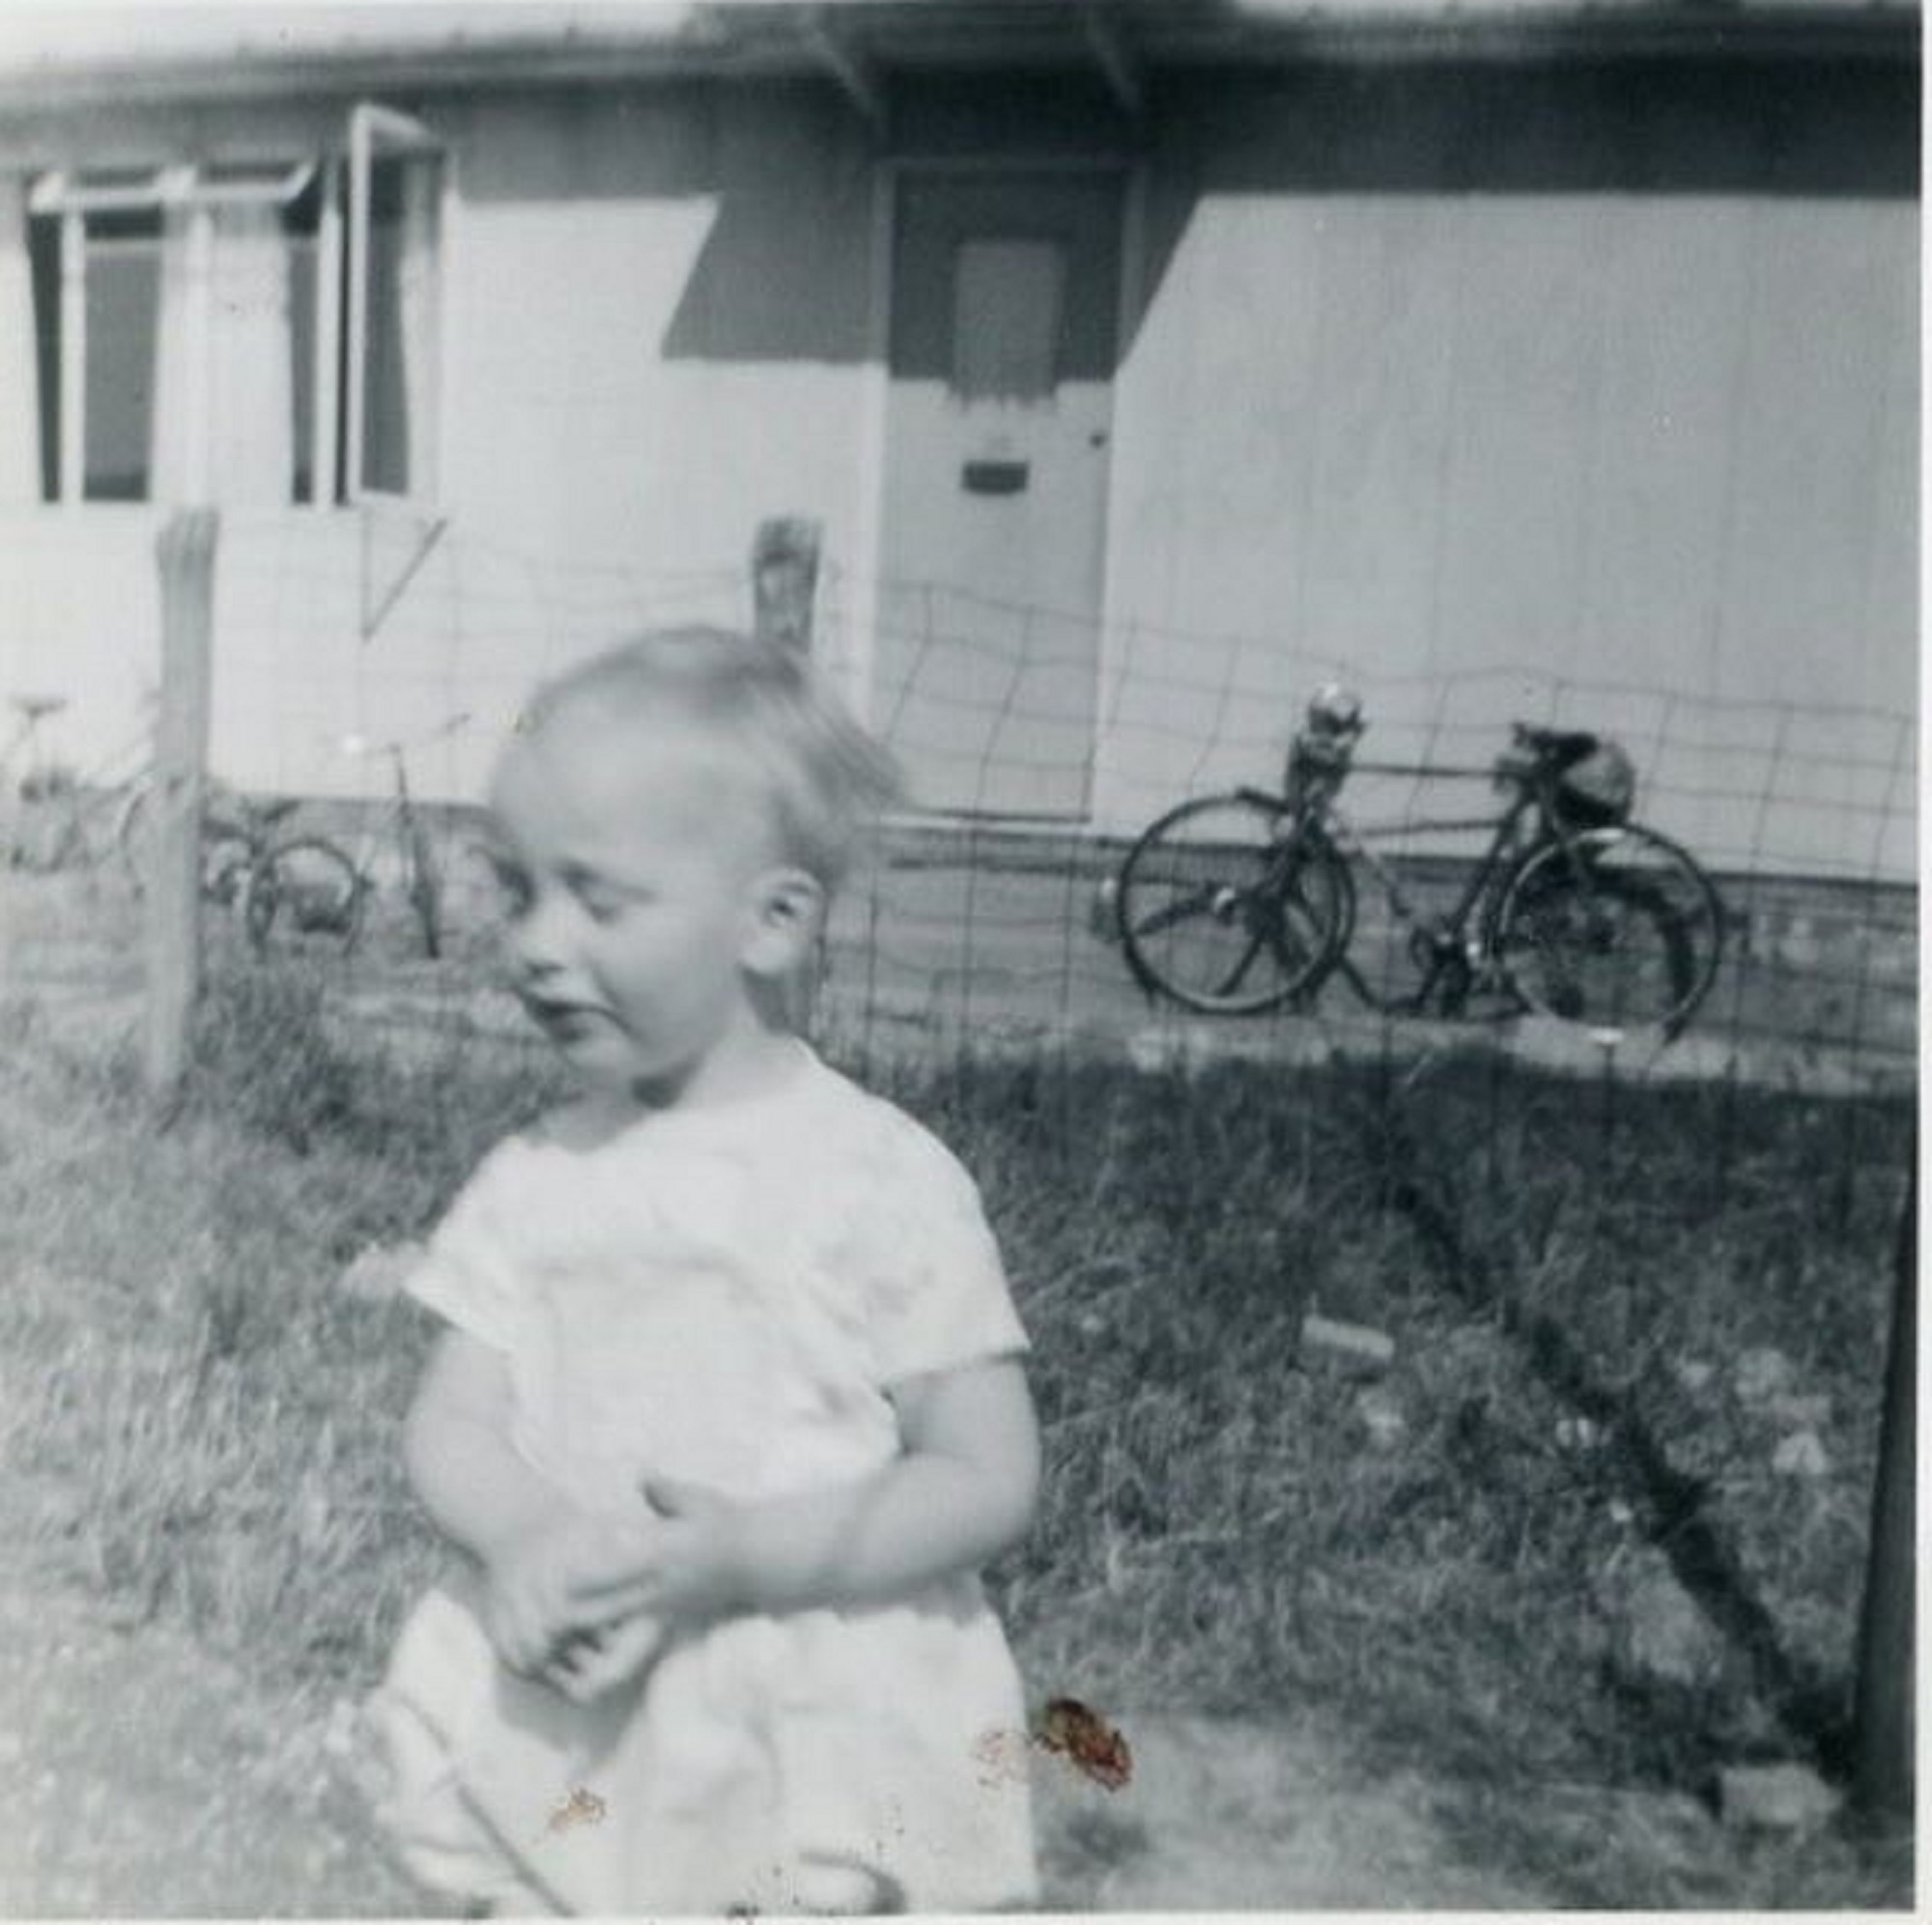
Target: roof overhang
[73,57]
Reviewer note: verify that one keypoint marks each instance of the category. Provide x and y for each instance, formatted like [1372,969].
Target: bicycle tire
[303,895]
[227,851]
[1229,906]
[47,836]
[1616,929]
[227,863]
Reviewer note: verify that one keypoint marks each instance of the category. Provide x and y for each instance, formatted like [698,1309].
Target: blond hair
[821,775]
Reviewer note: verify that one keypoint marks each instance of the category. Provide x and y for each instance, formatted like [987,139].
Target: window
[212,333]
[395,193]
[1008,296]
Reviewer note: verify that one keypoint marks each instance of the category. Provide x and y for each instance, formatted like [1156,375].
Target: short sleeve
[935,1289]
[466,1274]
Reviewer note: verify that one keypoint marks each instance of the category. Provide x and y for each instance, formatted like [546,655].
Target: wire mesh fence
[1036,747]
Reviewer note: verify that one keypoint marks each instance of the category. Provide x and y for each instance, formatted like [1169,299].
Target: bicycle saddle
[34,707]
[1557,745]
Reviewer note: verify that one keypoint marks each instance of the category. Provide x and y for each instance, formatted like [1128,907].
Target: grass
[213,1419]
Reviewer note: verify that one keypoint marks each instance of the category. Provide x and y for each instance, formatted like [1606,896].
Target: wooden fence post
[171,862]
[1881,1775]
[785,578]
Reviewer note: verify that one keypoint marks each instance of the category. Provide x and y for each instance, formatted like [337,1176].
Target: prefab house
[1140,362]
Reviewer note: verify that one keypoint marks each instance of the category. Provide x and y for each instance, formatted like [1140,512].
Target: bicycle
[53,819]
[310,887]
[68,822]
[1240,903]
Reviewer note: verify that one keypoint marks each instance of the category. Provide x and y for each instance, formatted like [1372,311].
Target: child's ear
[786,907]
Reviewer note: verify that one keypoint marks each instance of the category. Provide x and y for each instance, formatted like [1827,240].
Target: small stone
[1801,1455]
[1354,1346]
[1661,1633]
[1801,1414]
[1579,1433]
[1382,1417]
[1761,1375]
[1774,1798]
[339,1735]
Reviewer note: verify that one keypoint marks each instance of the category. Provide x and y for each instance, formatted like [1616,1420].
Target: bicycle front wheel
[1617,930]
[1232,906]
[303,895]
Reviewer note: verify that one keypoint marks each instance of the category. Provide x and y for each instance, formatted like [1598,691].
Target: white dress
[721,1297]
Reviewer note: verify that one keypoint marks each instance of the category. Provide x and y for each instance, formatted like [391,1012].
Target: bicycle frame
[1450,958]
[401,819]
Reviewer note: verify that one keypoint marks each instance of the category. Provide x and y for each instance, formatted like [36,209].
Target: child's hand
[691,1568]
[592,1662]
[530,1604]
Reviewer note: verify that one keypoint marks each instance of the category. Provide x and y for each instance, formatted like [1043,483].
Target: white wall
[1487,450]
[1478,449]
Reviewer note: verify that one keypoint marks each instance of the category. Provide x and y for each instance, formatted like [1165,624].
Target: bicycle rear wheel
[227,851]
[1617,930]
[1232,907]
[303,895]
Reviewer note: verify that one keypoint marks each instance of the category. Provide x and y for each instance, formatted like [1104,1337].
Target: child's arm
[962,1491]
[483,1495]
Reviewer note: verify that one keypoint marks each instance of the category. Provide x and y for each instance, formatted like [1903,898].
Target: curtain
[176,473]
[224,405]
[19,379]
[252,387]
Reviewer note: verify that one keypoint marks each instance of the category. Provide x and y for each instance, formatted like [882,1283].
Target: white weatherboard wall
[1659,438]
[1664,444]
[657,310]
[661,323]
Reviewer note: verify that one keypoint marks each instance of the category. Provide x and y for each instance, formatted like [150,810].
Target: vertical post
[1882,1770]
[784,577]
[171,934]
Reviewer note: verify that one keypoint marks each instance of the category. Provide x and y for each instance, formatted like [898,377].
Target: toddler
[728,1409]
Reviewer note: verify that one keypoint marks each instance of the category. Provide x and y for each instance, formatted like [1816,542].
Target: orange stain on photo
[581,1808]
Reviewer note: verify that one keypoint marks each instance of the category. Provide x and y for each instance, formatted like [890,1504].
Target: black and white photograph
[958,956]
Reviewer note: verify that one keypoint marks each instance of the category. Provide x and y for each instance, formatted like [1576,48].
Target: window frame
[371,124]
[67,193]
[338,401]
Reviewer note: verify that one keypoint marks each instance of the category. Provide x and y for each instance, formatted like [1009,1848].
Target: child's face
[638,876]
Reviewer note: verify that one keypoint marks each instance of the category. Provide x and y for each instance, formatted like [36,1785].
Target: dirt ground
[144,1776]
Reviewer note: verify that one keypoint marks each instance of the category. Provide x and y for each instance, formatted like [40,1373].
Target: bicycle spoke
[1238,973]
[1175,913]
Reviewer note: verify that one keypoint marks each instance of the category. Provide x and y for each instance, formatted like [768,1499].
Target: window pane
[44,250]
[399,346]
[122,303]
[301,367]
[1007,299]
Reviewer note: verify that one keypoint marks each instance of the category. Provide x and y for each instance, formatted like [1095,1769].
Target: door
[1005,300]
